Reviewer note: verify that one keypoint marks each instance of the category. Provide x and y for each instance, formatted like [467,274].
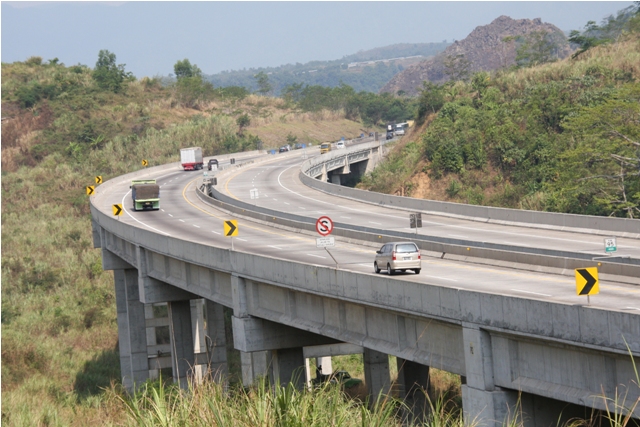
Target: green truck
[145,194]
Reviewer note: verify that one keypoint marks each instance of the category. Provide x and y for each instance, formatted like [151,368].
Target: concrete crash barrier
[540,258]
[625,227]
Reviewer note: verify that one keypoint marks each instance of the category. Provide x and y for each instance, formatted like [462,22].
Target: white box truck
[191,158]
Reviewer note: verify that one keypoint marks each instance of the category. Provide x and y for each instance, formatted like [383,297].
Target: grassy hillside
[561,137]
[59,130]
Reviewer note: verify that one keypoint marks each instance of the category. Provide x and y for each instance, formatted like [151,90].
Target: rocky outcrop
[484,48]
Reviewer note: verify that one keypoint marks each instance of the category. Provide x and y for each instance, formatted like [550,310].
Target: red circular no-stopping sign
[324,225]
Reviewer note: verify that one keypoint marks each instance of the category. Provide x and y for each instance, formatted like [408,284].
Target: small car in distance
[398,256]
[212,162]
[340,144]
[284,149]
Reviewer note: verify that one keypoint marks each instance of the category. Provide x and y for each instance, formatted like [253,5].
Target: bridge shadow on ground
[98,374]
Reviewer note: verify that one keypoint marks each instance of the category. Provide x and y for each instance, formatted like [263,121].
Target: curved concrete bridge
[549,358]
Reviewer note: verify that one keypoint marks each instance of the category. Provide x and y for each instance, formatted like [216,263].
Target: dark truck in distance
[145,194]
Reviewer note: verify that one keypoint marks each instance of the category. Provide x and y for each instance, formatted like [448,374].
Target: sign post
[231,229]
[610,245]
[415,221]
[587,282]
[117,210]
[324,227]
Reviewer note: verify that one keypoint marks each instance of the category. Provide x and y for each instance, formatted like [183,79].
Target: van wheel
[375,268]
[417,270]
[390,272]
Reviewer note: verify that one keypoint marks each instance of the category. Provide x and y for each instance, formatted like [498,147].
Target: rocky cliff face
[484,48]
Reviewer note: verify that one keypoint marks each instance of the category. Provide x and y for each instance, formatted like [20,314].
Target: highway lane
[279,188]
[183,214]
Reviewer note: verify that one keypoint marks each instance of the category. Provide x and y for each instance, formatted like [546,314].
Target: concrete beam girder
[252,334]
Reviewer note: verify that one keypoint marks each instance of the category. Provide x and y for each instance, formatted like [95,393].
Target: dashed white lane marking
[162,210]
[181,220]
[171,215]
[300,207]
[441,278]
[243,240]
[318,256]
[376,223]
[529,292]
[346,217]
[458,235]
[196,226]
[215,232]
[275,247]
[287,203]
[365,265]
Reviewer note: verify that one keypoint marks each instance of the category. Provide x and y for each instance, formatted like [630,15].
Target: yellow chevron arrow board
[90,189]
[98,179]
[117,209]
[231,228]
[587,281]
[144,162]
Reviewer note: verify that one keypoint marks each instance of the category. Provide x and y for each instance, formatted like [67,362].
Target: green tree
[457,67]
[184,69]
[191,88]
[243,121]
[107,74]
[264,86]
[539,47]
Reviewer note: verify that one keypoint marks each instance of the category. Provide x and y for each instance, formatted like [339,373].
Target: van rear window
[407,247]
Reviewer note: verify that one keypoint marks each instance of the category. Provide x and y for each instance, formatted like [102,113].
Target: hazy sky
[149,37]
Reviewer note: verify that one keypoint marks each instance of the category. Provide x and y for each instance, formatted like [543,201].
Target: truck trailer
[145,194]
[191,158]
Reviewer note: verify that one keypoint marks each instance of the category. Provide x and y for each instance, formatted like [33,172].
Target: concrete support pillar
[376,373]
[325,175]
[215,339]
[335,179]
[182,355]
[325,365]
[482,401]
[288,367]
[255,365]
[413,383]
[132,334]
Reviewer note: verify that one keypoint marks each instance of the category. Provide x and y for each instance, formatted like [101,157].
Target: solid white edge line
[137,220]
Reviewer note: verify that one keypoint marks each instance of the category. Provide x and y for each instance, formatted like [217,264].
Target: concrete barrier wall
[538,259]
[623,227]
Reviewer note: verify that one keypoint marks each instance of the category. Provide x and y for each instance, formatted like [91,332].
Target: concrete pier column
[325,365]
[215,339]
[182,345]
[376,373]
[413,383]
[255,365]
[288,367]
[132,332]
[482,401]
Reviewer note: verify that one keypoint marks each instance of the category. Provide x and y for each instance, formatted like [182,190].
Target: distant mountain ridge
[370,77]
[484,48]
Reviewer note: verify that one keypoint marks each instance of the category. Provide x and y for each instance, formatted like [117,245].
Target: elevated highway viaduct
[514,332]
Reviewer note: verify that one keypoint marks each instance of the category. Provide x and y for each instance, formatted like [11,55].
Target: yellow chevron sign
[117,209]
[144,162]
[90,189]
[98,179]
[231,228]
[587,281]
